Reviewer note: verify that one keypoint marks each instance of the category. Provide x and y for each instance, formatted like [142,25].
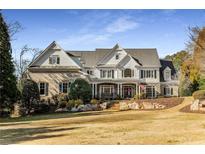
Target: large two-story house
[111,72]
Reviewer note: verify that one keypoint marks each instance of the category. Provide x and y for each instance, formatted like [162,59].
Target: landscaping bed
[165,102]
[187,109]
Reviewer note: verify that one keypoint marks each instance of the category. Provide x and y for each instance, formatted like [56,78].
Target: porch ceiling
[117,81]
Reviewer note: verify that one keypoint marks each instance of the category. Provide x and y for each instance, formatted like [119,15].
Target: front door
[128,91]
[107,91]
[150,91]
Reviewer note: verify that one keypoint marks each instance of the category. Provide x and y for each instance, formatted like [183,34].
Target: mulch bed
[186,109]
[168,102]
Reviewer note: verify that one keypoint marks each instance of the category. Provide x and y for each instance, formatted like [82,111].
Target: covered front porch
[109,90]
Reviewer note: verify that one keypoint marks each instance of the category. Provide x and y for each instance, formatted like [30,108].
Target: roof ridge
[165,59]
[80,50]
[123,48]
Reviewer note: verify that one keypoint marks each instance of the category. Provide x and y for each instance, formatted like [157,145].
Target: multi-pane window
[64,86]
[54,59]
[150,91]
[43,88]
[90,72]
[167,75]
[104,73]
[107,73]
[117,56]
[127,73]
[168,91]
[148,74]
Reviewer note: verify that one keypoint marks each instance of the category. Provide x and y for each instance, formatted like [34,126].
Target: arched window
[127,72]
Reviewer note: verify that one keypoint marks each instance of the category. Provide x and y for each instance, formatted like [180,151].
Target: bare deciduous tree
[27,55]
[14,28]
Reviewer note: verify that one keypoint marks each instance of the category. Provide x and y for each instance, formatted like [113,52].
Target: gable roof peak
[55,44]
[117,47]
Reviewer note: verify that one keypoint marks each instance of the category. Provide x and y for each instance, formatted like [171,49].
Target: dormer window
[117,56]
[90,72]
[167,74]
[54,59]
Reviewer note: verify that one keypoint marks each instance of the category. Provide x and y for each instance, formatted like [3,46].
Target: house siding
[71,67]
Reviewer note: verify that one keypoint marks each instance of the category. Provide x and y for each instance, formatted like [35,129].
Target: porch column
[118,89]
[99,94]
[139,90]
[136,89]
[121,90]
[93,92]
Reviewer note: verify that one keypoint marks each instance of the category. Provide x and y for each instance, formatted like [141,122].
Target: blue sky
[166,30]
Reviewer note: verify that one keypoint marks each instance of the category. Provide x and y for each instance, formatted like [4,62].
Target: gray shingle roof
[147,57]
[166,63]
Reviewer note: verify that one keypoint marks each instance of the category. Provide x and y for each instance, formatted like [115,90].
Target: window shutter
[171,91]
[141,74]
[60,87]
[50,60]
[39,87]
[155,74]
[164,91]
[100,73]
[46,93]
[113,73]
[58,60]
[132,71]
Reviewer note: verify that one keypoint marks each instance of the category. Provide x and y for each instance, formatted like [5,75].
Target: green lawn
[107,127]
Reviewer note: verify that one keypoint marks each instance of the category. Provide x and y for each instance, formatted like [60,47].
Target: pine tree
[8,89]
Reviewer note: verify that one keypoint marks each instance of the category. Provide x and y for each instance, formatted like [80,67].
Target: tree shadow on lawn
[14,124]
[54,116]
[14,136]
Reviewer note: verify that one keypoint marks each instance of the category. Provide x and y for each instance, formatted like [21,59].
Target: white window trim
[44,88]
[106,74]
[168,89]
[132,73]
[68,86]
[148,74]
[167,70]
[111,88]
[54,61]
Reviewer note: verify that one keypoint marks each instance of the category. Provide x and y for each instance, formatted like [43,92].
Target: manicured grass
[51,116]
[168,126]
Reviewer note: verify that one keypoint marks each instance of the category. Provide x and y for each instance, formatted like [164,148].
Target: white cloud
[85,39]
[56,30]
[122,24]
